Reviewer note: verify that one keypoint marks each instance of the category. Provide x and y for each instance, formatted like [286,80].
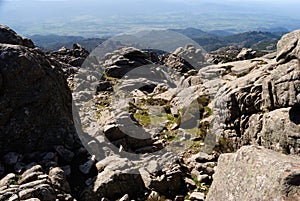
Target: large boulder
[115,179]
[184,59]
[288,47]
[122,61]
[256,173]
[35,101]
[8,36]
[246,54]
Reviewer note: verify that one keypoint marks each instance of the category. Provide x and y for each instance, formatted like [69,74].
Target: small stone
[206,168]
[42,177]
[62,50]
[154,196]
[65,197]
[125,198]
[100,166]
[113,132]
[246,54]
[174,126]
[203,178]
[77,46]
[298,98]
[191,185]
[197,196]
[202,158]
[195,173]
[14,198]
[86,167]
[179,198]
[58,179]
[11,158]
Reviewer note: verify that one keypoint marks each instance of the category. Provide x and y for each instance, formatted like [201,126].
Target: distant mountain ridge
[54,42]
[210,41]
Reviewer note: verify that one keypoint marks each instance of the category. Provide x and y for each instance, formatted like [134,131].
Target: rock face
[256,173]
[8,36]
[258,97]
[288,47]
[35,101]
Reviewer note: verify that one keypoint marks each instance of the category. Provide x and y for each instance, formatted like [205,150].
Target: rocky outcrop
[35,101]
[288,47]
[36,126]
[36,184]
[223,55]
[184,59]
[8,36]
[256,173]
[246,54]
[121,61]
[258,98]
[73,57]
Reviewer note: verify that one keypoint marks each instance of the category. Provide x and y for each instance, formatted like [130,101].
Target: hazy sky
[30,16]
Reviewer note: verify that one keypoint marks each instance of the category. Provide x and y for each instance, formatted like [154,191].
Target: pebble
[197,196]
[203,178]
[125,198]
[191,185]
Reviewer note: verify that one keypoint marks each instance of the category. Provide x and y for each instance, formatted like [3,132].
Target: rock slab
[256,173]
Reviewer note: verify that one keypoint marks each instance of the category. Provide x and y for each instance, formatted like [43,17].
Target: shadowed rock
[35,101]
[8,36]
